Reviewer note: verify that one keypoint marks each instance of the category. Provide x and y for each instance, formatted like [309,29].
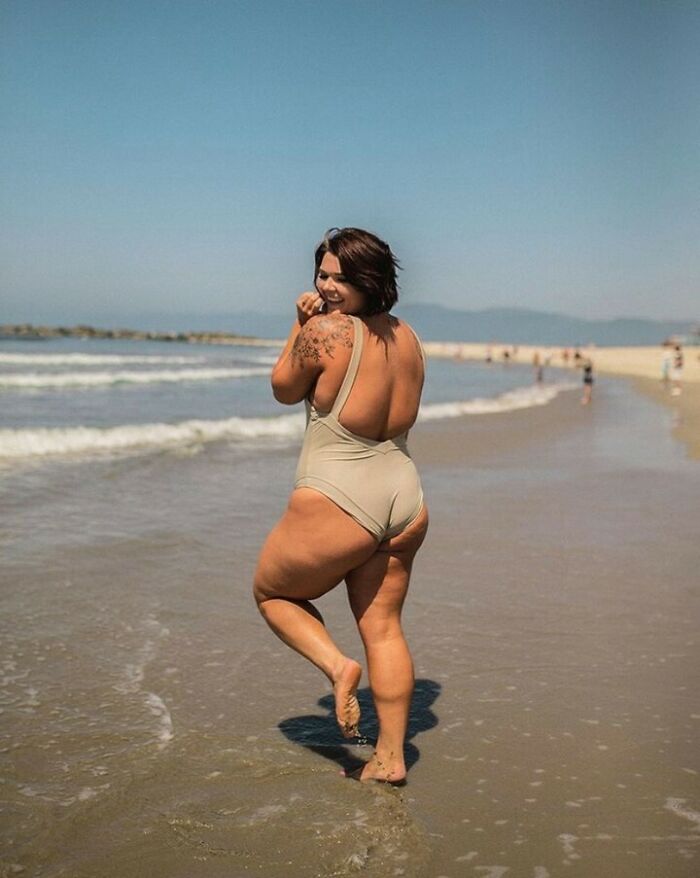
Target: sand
[640,362]
[553,602]
[685,409]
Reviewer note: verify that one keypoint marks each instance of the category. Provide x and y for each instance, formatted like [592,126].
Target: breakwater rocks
[29,332]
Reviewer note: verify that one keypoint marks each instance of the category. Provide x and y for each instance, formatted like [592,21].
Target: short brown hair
[368,264]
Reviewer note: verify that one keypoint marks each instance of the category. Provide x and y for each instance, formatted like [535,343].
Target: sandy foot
[347,708]
[392,771]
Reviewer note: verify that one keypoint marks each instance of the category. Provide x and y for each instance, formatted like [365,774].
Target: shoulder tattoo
[321,336]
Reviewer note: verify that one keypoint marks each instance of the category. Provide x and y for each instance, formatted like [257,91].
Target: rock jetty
[29,332]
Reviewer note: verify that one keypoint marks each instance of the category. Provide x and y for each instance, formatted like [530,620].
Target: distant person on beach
[538,367]
[587,366]
[666,364]
[676,370]
[356,512]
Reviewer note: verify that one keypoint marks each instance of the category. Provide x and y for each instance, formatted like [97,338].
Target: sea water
[84,398]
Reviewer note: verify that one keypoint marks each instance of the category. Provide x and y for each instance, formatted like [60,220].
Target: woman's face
[335,291]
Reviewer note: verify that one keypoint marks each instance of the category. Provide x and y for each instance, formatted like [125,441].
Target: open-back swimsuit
[375,482]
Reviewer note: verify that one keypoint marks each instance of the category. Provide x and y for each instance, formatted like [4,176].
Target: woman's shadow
[322,735]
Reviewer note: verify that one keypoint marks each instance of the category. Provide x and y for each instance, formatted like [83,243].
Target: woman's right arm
[294,376]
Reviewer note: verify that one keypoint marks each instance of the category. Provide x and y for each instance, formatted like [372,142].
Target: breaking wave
[50,442]
[46,442]
[39,380]
[93,359]
[520,398]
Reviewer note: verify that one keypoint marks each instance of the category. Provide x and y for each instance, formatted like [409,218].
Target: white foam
[520,398]
[42,442]
[159,709]
[51,442]
[267,360]
[93,359]
[678,806]
[567,841]
[38,380]
[135,671]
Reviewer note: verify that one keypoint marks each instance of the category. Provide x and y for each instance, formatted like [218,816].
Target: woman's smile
[334,289]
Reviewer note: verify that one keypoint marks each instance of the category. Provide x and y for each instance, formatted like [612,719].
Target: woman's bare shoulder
[323,336]
[409,332]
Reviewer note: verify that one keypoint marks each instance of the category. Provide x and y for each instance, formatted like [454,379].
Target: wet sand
[685,410]
[563,598]
[160,730]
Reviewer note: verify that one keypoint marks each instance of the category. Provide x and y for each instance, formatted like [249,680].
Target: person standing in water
[666,362]
[587,366]
[356,513]
[676,370]
[538,368]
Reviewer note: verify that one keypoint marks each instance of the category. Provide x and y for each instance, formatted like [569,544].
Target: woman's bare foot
[391,771]
[347,707]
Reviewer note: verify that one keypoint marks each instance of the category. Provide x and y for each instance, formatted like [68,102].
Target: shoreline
[643,364]
[685,408]
[638,361]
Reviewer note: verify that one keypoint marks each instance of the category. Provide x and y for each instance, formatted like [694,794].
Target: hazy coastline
[640,362]
[643,361]
[30,332]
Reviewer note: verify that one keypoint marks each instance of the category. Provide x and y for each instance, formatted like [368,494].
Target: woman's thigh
[311,549]
[377,588]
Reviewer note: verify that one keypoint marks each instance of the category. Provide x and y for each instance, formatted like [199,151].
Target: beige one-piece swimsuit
[375,482]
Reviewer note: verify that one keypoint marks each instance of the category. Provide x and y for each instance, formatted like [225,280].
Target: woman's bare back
[385,397]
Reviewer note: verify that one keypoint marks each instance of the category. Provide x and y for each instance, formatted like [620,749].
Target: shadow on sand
[321,733]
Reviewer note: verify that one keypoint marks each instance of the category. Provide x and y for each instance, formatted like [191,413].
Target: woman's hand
[308,305]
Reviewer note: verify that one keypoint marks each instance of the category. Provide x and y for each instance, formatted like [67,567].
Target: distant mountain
[432,322]
[522,326]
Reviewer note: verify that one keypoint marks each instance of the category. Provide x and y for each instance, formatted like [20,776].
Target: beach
[641,363]
[154,727]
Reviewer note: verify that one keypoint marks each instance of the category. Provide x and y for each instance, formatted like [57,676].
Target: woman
[356,512]
[587,381]
[677,370]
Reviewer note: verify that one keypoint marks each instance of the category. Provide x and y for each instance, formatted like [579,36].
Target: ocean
[76,400]
[119,417]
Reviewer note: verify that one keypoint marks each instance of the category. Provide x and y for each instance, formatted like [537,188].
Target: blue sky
[187,156]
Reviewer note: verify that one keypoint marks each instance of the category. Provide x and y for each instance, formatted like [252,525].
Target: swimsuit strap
[353,366]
